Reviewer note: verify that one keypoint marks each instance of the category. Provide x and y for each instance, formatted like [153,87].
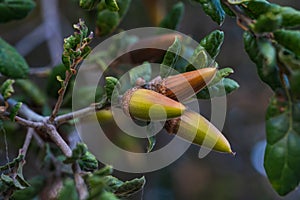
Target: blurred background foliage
[217,176]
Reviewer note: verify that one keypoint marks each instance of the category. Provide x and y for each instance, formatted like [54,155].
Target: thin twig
[24,111]
[79,182]
[46,125]
[27,141]
[61,96]
[78,114]
[28,123]
[58,140]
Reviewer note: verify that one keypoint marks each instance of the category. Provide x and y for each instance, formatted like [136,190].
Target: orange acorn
[185,85]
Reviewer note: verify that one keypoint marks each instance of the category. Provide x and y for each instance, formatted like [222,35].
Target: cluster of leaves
[275,51]
[13,66]
[13,179]
[102,185]
[109,13]
[76,46]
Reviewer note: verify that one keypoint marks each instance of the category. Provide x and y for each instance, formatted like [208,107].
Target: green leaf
[143,71]
[288,58]
[199,59]
[123,7]
[151,139]
[76,46]
[107,170]
[130,187]
[294,84]
[53,85]
[267,23]
[290,39]
[290,16]
[170,58]
[223,87]
[214,9]
[14,111]
[7,89]
[96,186]
[68,192]
[108,196]
[212,43]
[151,143]
[173,18]
[107,21]
[12,63]
[15,162]
[227,10]
[86,159]
[13,183]
[112,5]
[282,155]
[78,152]
[222,73]
[237,1]
[15,9]
[88,4]
[110,85]
[256,8]
[208,49]
[112,183]
[88,162]
[263,54]
[32,91]
[36,185]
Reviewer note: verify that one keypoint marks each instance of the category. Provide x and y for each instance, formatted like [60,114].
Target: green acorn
[207,135]
[147,104]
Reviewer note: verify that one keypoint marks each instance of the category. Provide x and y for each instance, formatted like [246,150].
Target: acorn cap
[185,85]
[149,105]
[193,127]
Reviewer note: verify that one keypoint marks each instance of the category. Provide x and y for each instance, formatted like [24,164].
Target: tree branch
[27,141]
[24,111]
[28,123]
[79,182]
[58,140]
[61,96]
[79,113]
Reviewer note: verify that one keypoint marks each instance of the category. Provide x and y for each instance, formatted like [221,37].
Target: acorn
[149,105]
[191,126]
[185,85]
[152,49]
